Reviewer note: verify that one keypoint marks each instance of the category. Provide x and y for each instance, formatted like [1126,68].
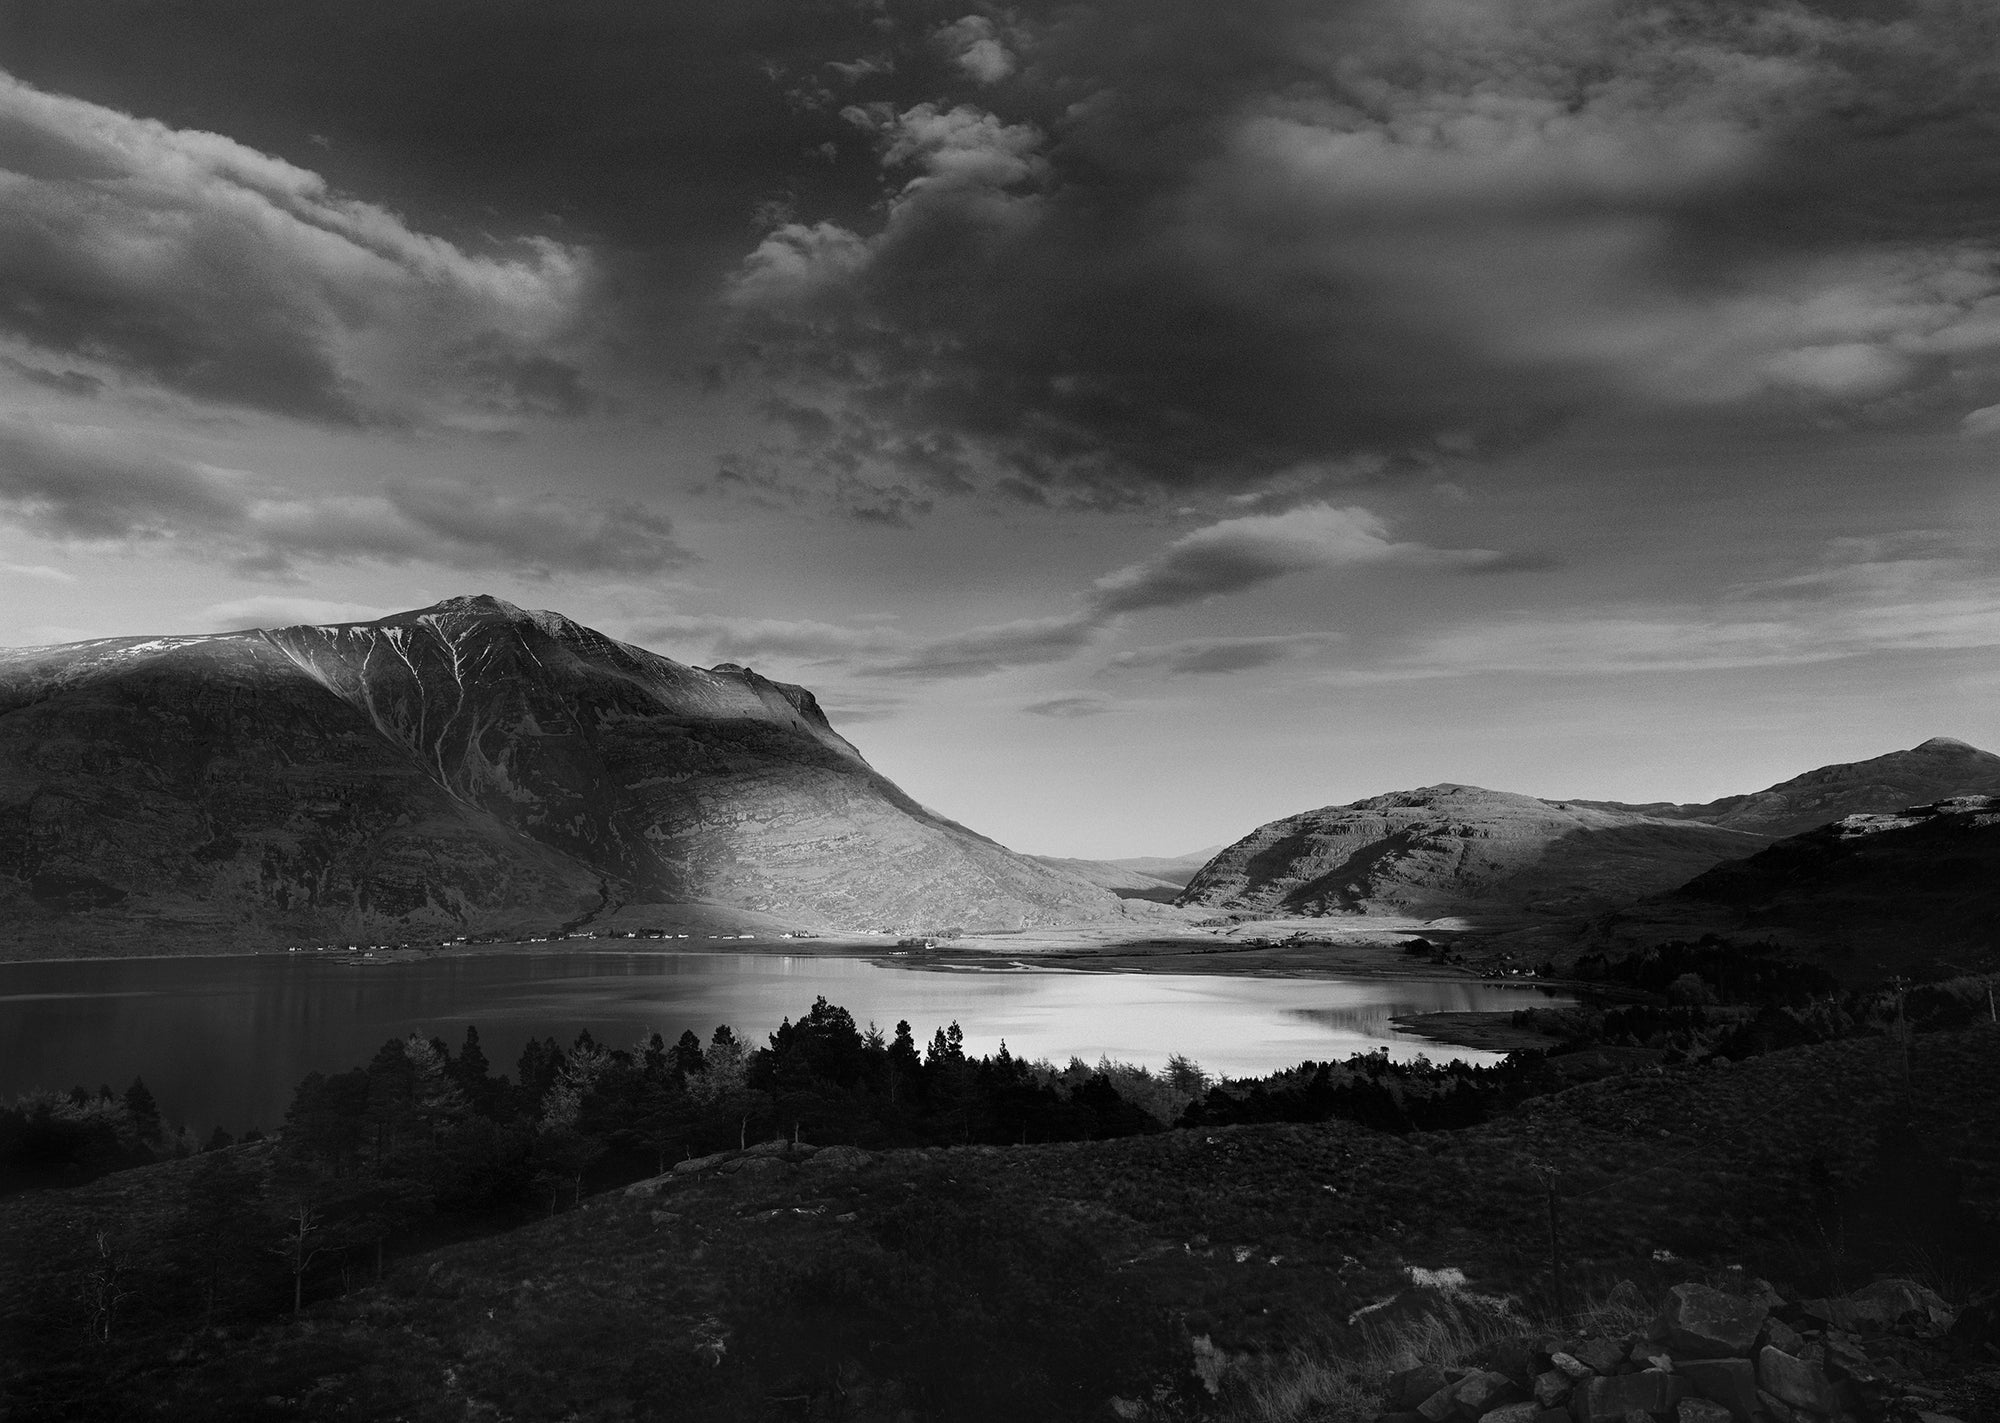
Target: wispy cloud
[183,260]
[1215,656]
[1866,597]
[1239,554]
[87,486]
[1071,708]
[278,611]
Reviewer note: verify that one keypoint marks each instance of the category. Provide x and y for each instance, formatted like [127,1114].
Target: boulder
[748,1167]
[1602,1355]
[1798,1382]
[651,1186]
[1553,1387]
[1702,1323]
[1608,1400]
[1701,1410]
[1780,1335]
[1569,1364]
[1729,1382]
[839,1158]
[700,1164]
[1885,1307]
[1774,1407]
[1512,1413]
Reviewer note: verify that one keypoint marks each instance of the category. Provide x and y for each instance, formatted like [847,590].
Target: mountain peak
[1944,743]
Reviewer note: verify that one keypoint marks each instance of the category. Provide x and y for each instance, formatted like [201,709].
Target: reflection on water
[224,1040]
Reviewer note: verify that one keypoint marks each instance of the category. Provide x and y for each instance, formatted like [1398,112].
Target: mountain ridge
[464,767]
[1448,849]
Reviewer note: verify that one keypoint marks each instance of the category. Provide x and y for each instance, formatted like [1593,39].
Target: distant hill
[1159,879]
[1449,849]
[460,768]
[1175,869]
[1936,770]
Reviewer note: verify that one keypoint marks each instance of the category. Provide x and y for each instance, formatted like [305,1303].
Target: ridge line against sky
[1135,422]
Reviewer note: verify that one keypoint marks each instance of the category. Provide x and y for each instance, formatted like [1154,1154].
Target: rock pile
[1709,1356]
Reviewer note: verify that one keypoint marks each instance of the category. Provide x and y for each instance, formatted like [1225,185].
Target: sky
[1135,420]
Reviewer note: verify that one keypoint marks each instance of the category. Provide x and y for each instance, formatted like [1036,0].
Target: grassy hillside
[1042,1281]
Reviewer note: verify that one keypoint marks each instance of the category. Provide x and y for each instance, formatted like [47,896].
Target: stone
[1479,1393]
[748,1167]
[1703,1323]
[1603,1355]
[1512,1413]
[1885,1307]
[1553,1415]
[1798,1382]
[1408,1389]
[1776,1407]
[1569,1364]
[1608,1400]
[1401,1416]
[1729,1382]
[1780,1335]
[1441,1406]
[651,1186]
[1701,1410]
[1552,1387]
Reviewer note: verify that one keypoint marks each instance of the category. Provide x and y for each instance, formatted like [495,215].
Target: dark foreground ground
[1045,1281]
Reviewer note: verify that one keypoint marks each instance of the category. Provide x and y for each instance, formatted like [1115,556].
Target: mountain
[460,768]
[1870,895]
[1936,770]
[1451,849]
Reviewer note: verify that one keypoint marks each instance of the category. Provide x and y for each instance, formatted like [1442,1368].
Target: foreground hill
[1936,770]
[1042,1281]
[1452,849]
[461,768]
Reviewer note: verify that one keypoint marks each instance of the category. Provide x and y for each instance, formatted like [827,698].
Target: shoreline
[1353,952]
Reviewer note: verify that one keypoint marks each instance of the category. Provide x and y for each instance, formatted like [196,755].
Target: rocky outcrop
[1452,849]
[1709,1356]
[467,767]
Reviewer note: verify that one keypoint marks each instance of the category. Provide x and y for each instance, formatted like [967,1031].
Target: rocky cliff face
[1449,849]
[465,767]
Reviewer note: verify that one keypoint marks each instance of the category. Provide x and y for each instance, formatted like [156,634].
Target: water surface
[222,1041]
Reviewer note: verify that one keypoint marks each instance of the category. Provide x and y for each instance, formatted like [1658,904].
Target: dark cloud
[68,485]
[1177,247]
